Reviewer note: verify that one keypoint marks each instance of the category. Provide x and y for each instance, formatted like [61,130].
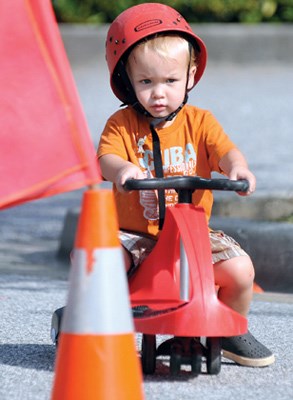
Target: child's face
[160,82]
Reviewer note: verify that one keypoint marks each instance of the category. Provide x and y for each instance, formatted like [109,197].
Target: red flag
[45,144]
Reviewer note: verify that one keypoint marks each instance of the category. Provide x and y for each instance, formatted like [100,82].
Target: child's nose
[158,92]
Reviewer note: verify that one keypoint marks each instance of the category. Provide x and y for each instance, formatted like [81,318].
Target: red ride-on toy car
[173,291]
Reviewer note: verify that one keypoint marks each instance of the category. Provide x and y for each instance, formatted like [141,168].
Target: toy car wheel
[213,355]
[196,364]
[56,324]
[175,363]
[196,358]
[176,352]
[148,354]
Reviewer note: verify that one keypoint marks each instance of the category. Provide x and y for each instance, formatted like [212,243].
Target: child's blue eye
[145,81]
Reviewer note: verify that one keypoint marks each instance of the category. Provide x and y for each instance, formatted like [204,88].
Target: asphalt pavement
[252,98]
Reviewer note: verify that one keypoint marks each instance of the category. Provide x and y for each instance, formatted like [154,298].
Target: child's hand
[234,165]
[117,170]
[241,172]
[129,171]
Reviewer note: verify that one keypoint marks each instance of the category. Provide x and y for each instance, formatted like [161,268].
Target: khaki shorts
[223,247]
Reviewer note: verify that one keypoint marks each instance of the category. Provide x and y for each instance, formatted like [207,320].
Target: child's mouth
[158,107]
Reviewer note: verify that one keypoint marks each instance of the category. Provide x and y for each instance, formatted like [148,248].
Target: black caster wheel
[175,363]
[148,354]
[213,355]
[196,357]
[56,324]
[176,351]
[196,364]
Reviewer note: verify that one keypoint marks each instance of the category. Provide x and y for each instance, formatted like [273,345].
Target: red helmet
[139,22]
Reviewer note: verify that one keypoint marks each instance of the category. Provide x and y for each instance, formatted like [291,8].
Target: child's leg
[135,249]
[235,280]
[127,259]
[234,274]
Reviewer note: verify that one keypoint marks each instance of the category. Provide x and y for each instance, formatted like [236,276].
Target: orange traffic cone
[96,356]
[257,288]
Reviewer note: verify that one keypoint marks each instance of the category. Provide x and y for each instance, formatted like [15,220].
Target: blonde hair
[163,44]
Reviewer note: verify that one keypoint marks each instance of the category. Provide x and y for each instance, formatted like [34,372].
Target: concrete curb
[259,207]
[268,243]
[68,233]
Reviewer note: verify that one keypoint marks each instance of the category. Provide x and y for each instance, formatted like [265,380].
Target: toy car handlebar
[187,183]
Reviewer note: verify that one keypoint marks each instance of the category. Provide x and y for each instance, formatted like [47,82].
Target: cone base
[97,367]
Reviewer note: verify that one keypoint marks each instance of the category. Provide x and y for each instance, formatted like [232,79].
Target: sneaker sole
[248,362]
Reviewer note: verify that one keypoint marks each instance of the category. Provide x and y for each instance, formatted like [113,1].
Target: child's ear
[191,76]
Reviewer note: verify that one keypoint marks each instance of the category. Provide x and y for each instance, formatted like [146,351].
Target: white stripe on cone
[93,307]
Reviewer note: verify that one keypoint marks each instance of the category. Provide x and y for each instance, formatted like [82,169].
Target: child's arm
[115,169]
[234,165]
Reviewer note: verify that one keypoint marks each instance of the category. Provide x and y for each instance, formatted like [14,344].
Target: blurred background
[243,11]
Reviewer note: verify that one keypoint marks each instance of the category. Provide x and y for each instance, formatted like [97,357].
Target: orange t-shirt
[192,145]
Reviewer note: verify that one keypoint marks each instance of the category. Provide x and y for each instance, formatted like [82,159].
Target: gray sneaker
[246,350]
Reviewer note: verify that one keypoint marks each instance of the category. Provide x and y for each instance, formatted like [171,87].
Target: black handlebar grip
[187,183]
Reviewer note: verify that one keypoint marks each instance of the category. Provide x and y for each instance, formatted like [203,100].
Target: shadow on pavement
[33,356]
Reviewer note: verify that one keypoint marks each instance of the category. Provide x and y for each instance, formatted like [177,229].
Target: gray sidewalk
[248,85]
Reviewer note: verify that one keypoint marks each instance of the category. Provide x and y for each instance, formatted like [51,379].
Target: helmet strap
[158,163]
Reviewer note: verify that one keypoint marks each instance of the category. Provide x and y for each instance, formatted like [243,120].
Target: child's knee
[127,259]
[237,271]
[244,271]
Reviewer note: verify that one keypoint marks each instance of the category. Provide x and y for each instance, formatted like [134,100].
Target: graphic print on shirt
[140,145]
[177,161]
[149,200]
